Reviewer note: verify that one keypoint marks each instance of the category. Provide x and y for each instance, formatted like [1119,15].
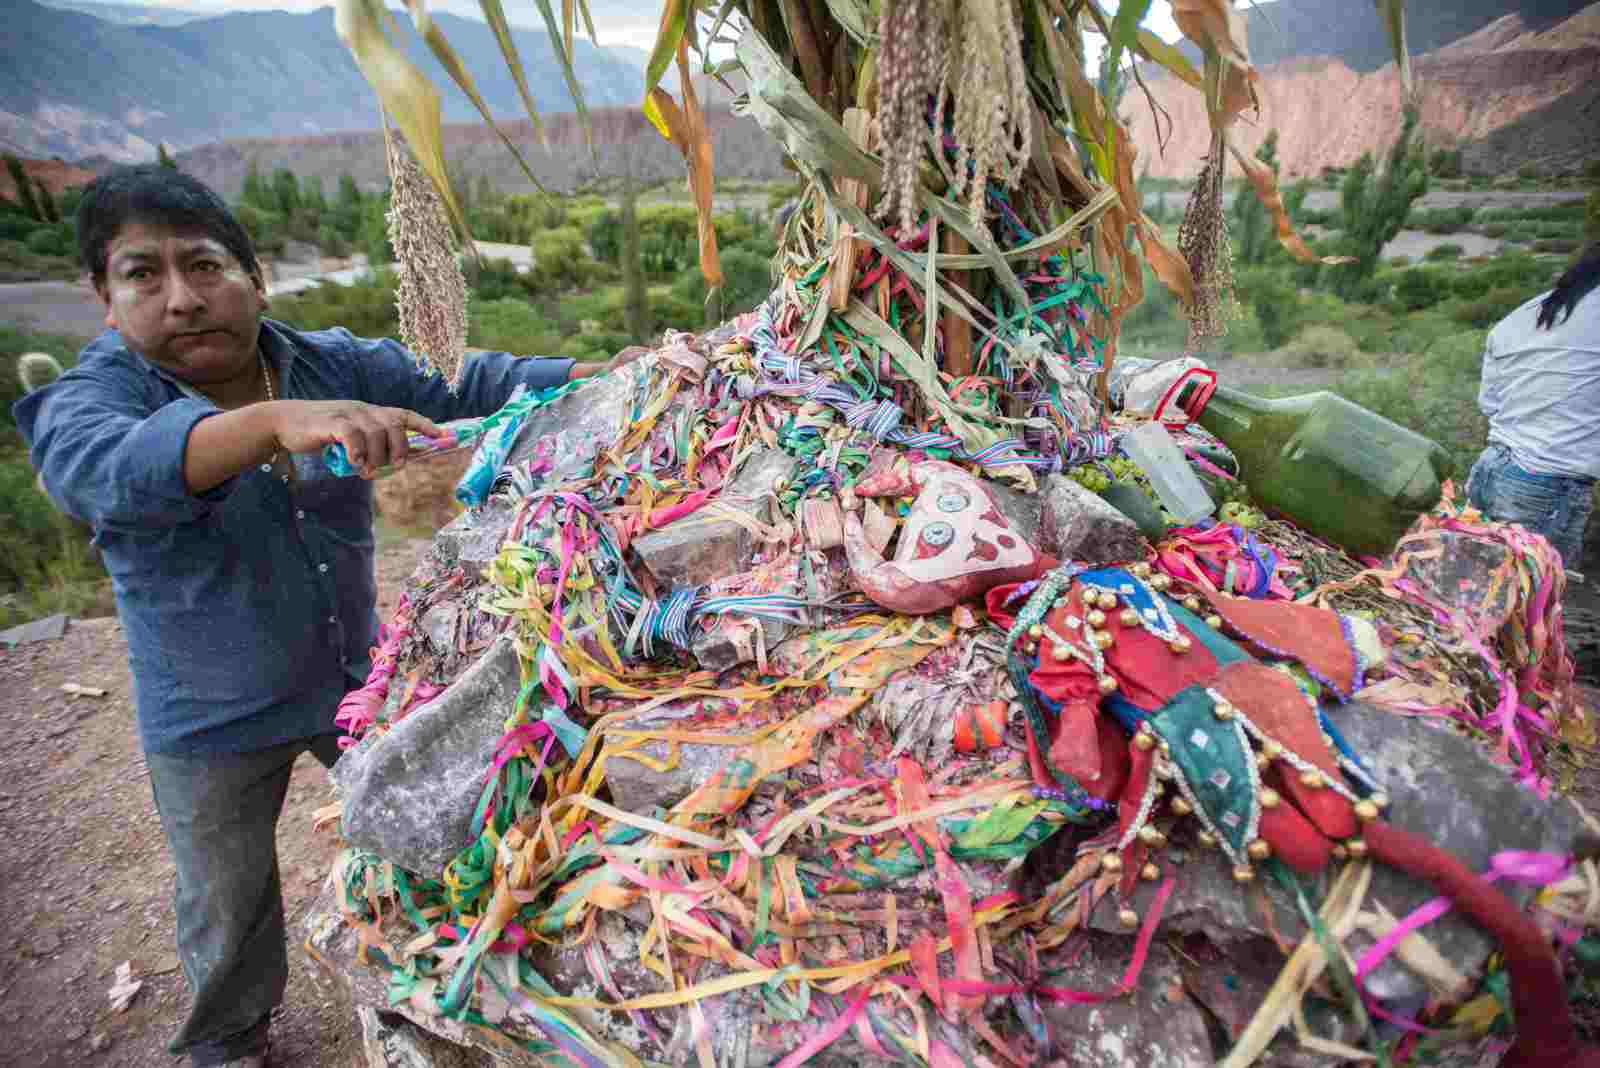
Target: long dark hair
[1571,287]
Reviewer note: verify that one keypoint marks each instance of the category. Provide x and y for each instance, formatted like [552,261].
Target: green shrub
[1441,253]
[512,325]
[1494,230]
[1320,346]
[1557,244]
[1441,220]
[1420,288]
[1399,261]
[1275,302]
[496,279]
[560,258]
[1434,391]
[1490,308]
[365,308]
[52,240]
[747,281]
[1568,211]
[1445,163]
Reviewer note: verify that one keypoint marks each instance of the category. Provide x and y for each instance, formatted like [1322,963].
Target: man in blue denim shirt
[187,439]
[1541,394]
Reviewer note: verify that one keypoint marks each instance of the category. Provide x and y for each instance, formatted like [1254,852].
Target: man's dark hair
[1579,280]
[151,193]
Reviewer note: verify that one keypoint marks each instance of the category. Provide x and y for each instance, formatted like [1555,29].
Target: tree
[47,203]
[1255,232]
[25,197]
[312,200]
[633,304]
[285,192]
[255,191]
[1373,206]
[164,158]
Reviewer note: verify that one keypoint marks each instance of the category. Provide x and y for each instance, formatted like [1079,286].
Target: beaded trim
[1252,821]
[1154,617]
[1289,756]
[1152,792]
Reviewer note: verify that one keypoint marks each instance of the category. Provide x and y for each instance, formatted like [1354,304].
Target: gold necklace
[272,395]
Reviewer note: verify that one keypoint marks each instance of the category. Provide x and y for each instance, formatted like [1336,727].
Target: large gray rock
[740,1030]
[391,1041]
[1076,524]
[637,787]
[1442,785]
[409,795]
[696,550]
[733,641]
[1156,1025]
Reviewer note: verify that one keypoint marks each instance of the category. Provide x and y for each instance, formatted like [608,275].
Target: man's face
[181,300]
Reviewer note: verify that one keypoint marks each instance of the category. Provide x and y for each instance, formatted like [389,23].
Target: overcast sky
[618,22]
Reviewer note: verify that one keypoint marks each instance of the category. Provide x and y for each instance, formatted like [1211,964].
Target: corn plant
[901,113]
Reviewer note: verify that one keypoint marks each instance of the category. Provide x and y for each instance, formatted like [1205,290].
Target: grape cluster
[1093,476]
[1241,514]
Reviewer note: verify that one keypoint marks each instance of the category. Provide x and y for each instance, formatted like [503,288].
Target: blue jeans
[220,814]
[1555,506]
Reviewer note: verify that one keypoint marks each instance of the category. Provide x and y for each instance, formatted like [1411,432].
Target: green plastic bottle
[1333,468]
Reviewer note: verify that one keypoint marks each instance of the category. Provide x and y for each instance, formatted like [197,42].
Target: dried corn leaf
[1394,20]
[1218,28]
[858,21]
[404,92]
[686,128]
[495,16]
[435,39]
[674,16]
[1266,186]
[1170,268]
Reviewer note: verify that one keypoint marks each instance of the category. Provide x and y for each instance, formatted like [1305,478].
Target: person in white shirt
[1541,393]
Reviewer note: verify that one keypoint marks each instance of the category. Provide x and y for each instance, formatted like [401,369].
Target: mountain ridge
[245,74]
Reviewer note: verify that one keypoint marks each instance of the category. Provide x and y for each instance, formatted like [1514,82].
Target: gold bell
[1222,710]
[1036,632]
[1269,797]
[1192,603]
[1061,653]
[1149,873]
[1214,622]
[1357,848]
[1244,873]
[1259,849]
[1095,618]
[1312,778]
[1208,839]
[1366,811]
[1108,599]
[1141,569]
[1161,582]
[1181,807]
[1145,741]
[1181,644]
[1128,918]
[1262,761]
[1110,862]
[1273,750]
[1130,618]
[1108,684]
[1152,836]
[1103,639]
[1339,852]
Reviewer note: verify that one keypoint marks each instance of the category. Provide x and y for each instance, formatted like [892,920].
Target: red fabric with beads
[1275,704]
[1301,632]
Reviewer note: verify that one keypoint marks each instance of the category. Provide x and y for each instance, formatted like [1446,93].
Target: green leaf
[673,19]
[1394,20]
[429,31]
[856,19]
[1125,30]
[564,58]
[495,16]
[1003,823]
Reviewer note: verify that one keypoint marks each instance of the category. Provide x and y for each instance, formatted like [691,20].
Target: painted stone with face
[954,546]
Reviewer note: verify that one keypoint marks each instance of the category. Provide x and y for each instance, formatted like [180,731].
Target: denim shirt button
[322,568]
[300,513]
[266,467]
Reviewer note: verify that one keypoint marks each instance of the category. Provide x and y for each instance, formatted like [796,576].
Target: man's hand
[231,443]
[621,359]
[372,437]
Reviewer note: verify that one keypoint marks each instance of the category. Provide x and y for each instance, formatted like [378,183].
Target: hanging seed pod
[911,64]
[431,294]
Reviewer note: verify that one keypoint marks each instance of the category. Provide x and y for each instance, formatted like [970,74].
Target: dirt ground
[85,876]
